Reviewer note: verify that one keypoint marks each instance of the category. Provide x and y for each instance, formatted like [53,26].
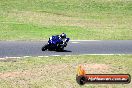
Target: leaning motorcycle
[55,44]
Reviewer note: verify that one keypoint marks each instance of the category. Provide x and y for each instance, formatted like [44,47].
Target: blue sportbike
[55,44]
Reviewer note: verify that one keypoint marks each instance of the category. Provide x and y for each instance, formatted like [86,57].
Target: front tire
[45,47]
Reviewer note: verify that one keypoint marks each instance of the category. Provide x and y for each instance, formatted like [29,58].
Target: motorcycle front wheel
[45,47]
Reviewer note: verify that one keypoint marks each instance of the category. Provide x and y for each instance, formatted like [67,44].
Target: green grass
[87,19]
[60,72]
[32,32]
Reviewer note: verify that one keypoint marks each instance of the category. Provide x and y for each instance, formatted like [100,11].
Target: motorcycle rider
[62,36]
[56,42]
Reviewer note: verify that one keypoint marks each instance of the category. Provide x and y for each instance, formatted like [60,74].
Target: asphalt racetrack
[33,48]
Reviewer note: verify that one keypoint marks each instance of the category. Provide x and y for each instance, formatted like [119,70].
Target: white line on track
[68,55]
[43,56]
[56,55]
[46,56]
[2,58]
[75,42]
[104,54]
[26,56]
[12,57]
[85,40]
[40,56]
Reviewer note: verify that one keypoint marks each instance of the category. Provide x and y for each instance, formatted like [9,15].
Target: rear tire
[45,47]
[60,50]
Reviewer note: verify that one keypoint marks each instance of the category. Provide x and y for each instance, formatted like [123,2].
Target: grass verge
[33,32]
[87,19]
[58,72]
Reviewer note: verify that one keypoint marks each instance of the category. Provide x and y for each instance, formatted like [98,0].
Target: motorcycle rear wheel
[60,49]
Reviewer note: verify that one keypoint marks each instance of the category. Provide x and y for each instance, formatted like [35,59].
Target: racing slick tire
[45,47]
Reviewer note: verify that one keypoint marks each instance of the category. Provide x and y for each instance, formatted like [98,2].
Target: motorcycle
[55,44]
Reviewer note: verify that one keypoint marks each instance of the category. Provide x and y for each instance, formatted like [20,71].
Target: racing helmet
[63,35]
